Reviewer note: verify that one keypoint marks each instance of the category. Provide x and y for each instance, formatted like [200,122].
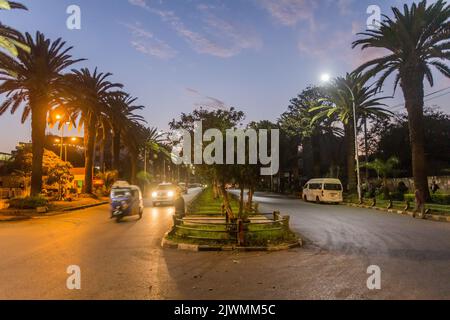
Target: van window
[332,187]
[315,186]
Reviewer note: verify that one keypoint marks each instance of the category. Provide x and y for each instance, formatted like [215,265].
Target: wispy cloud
[218,37]
[145,42]
[290,12]
[204,100]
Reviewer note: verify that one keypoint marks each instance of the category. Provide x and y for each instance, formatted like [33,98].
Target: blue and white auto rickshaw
[126,200]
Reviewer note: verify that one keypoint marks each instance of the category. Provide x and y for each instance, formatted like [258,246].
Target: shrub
[440,198]
[28,202]
[437,198]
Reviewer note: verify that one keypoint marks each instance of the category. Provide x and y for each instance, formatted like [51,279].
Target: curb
[15,219]
[54,213]
[431,217]
[168,244]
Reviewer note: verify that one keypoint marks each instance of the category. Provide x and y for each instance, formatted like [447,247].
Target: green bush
[440,198]
[437,198]
[28,203]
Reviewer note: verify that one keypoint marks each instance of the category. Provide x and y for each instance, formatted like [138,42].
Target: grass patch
[205,204]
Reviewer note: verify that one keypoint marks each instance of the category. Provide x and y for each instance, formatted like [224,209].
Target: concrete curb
[54,213]
[431,217]
[15,219]
[169,244]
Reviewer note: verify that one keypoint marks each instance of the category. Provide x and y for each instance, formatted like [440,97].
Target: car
[165,194]
[323,190]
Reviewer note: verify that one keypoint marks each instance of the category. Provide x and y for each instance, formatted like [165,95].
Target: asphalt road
[125,261]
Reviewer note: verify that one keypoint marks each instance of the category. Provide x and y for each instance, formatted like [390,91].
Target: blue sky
[174,55]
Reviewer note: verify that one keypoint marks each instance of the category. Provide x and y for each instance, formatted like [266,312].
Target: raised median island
[206,227]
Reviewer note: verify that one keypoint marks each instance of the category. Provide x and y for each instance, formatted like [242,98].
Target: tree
[341,95]
[60,174]
[221,119]
[297,123]
[34,80]
[22,164]
[383,170]
[417,39]
[391,138]
[121,113]
[10,39]
[87,94]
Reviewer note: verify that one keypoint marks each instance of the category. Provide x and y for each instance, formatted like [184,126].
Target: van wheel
[305,199]
[318,200]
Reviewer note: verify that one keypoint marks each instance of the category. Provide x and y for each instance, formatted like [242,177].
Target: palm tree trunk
[89,156]
[241,199]
[133,165]
[116,150]
[38,125]
[413,91]
[350,145]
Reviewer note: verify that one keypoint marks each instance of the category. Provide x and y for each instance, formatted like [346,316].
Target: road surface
[126,261]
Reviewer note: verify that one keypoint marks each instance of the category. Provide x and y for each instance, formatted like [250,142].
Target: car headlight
[154,194]
[171,194]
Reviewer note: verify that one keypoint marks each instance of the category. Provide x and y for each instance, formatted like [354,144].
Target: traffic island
[205,228]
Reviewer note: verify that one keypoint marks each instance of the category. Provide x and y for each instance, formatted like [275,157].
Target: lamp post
[326,78]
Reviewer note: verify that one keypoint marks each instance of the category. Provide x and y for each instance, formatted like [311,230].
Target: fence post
[276,216]
[286,221]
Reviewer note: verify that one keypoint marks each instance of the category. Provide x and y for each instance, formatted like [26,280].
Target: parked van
[323,190]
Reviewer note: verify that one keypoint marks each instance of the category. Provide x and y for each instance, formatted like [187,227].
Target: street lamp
[326,78]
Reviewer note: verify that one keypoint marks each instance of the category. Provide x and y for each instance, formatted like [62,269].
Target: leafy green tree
[383,170]
[59,173]
[34,80]
[221,119]
[417,39]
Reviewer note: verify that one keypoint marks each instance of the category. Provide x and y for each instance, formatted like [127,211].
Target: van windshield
[332,187]
[121,193]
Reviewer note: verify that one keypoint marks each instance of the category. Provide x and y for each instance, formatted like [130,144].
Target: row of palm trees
[416,39]
[35,77]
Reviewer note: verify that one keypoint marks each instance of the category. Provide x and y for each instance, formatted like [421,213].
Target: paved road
[125,261]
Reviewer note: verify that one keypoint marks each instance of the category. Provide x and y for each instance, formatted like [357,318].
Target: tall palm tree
[340,97]
[33,79]
[87,95]
[121,113]
[10,39]
[417,39]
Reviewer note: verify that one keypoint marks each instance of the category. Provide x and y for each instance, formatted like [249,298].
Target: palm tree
[10,39]
[121,114]
[340,97]
[417,39]
[34,79]
[87,97]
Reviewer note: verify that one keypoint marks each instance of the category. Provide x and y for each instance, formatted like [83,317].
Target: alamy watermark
[73,22]
[240,146]
[374,281]
[73,282]
[374,19]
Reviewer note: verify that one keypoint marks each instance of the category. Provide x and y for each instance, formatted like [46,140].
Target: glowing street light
[326,79]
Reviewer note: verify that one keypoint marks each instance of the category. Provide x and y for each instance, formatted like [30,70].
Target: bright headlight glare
[170,194]
[154,194]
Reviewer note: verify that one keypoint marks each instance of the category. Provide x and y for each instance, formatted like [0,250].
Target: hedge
[438,198]
[28,203]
